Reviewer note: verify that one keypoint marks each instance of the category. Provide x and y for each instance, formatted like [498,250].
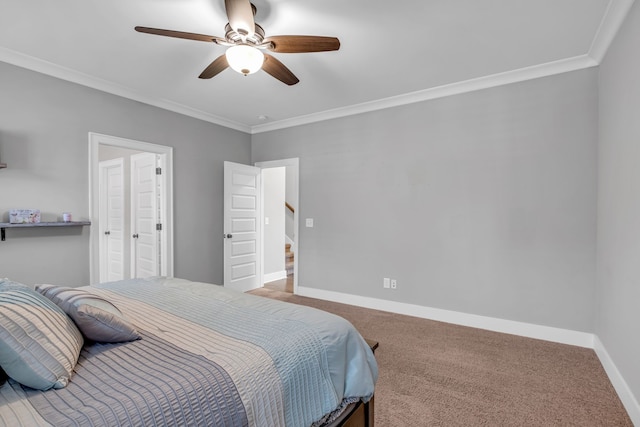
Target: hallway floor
[283,285]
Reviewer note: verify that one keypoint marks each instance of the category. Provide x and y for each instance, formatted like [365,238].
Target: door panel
[144,204]
[241,226]
[112,216]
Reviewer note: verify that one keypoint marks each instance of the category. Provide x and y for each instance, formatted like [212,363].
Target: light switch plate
[309,222]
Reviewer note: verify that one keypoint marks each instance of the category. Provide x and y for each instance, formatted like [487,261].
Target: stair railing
[288,206]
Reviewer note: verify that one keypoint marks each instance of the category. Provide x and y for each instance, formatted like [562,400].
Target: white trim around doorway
[95,140]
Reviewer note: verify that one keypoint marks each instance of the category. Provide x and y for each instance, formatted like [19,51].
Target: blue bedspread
[289,365]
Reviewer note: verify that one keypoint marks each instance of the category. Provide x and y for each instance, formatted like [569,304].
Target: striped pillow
[97,318]
[39,344]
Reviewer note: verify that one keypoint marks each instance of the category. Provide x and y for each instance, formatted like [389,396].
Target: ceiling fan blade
[301,44]
[278,70]
[240,14]
[218,65]
[179,34]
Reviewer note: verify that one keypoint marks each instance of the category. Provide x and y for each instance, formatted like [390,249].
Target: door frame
[294,163]
[166,199]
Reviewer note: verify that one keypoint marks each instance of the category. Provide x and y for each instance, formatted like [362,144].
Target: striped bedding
[208,356]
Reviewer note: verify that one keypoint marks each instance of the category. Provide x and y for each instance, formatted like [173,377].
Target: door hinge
[158,227]
[158,171]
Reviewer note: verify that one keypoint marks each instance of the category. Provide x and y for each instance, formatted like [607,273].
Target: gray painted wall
[619,202]
[482,203]
[44,126]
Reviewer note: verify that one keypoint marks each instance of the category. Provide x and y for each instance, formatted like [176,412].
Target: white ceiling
[392,52]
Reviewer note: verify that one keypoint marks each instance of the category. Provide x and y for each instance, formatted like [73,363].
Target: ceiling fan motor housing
[234,37]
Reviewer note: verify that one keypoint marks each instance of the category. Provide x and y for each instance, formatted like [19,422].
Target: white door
[144,216]
[242,246]
[112,262]
[105,144]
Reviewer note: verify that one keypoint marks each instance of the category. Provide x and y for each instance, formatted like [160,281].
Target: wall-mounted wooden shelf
[4,225]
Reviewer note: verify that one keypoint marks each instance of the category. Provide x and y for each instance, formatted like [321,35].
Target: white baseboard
[622,388]
[547,333]
[563,336]
[272,277]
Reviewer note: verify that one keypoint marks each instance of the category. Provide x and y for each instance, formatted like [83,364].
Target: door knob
[106,233]
[227,236]
[135,236]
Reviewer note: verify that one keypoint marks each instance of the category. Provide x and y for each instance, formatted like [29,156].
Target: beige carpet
[438,374]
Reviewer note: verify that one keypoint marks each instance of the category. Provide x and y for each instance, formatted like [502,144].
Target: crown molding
[613,18]
[34,64]
[494,80]
[615,14]
[499,79]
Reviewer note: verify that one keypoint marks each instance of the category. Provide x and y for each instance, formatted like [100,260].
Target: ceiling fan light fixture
[246,41]
[245,59]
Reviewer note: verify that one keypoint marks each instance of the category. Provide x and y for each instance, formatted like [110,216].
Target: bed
[205,356]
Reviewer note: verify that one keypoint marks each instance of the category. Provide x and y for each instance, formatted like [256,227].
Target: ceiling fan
[246,44]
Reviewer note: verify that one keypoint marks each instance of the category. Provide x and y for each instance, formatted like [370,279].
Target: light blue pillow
[98,319]
[6,284]
[39,344]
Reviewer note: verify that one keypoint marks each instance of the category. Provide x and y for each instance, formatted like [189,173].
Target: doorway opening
[131,205]
[280,224]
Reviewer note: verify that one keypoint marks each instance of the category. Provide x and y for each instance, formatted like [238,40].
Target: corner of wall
[625,394]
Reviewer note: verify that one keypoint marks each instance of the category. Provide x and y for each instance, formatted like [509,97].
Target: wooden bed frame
[358,414]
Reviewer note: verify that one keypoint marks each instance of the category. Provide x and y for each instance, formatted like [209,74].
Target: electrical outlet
[394,283]
[309,222]
[386,283]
